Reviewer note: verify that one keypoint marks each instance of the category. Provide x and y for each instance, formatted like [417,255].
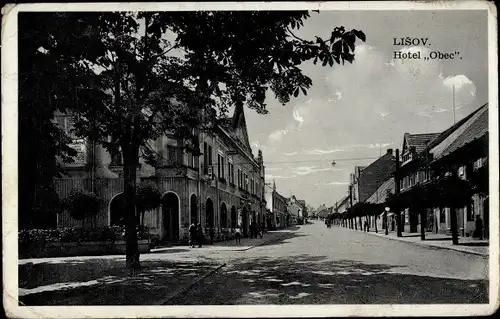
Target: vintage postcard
[250,159]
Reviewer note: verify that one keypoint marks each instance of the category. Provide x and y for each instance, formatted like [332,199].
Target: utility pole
[454,120]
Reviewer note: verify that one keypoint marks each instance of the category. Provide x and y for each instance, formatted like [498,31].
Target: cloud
[271,177]
[277,135]
[297,117]
[333,183]
[306,170]
[459,81]
[290,153]
[273,169]
[321,152]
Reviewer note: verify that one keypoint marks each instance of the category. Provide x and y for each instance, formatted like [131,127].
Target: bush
[81,204]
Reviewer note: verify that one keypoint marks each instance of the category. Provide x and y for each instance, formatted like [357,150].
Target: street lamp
[386,224]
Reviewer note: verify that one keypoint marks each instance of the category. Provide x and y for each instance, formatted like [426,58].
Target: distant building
[366,180]
[276,205]
[295,210]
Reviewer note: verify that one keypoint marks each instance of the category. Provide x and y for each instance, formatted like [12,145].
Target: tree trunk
[386,223]
[355,223]
[423,225]
[130,162]
[360,223]
[398,221]
[376,227]
[454,226]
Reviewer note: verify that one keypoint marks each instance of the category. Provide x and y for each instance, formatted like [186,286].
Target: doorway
[170,207]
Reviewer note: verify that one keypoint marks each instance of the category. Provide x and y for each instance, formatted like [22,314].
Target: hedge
[40,237]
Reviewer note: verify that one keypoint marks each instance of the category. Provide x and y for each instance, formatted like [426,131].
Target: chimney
[389,151]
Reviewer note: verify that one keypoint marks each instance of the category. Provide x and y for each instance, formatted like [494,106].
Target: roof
[342,201]
[453,134]
[323,213]
[380,194]
[454,127]
[419,141]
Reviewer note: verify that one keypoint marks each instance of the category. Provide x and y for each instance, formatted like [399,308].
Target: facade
[366,180]
[276,207]
[421,153]
[295,210]
[222,189]
[464,151]
[379,197]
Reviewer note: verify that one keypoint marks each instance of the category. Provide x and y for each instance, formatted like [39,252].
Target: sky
[354,113]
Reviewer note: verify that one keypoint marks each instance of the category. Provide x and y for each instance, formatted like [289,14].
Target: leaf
[304,91]
[359,34]
[296,92]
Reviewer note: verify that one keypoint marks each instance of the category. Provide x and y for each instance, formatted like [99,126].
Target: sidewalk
[231,245]
[106,281]
[440,241]
[103,280]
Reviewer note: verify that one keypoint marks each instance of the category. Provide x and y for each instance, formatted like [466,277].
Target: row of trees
[443,191]
[130,77]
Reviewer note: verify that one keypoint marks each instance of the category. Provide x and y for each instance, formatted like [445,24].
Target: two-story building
[217,182]
[423,153]
[277,208]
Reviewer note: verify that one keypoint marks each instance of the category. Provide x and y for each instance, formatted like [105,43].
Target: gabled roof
[476,127]
[239,127]
[454,132]
[418,141]
[380,194]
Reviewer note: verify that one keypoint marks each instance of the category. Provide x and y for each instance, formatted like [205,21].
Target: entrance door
[234,217]
[194,209]
[209,214]
[170,207]
[244,218]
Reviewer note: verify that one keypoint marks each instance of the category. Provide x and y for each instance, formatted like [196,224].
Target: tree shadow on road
[305,280]
[105,281]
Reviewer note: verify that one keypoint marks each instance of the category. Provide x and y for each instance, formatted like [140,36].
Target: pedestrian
[199,233]
[365,226]
[192,234]
[212,235]
[479,228]
[237,235]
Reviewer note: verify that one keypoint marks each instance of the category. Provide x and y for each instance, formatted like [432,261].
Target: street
[307,264]
[316,265]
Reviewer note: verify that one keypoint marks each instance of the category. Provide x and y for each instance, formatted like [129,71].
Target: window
[470,212]
[246,182]
[239,177]
[219,166]
[205,158]
[231,172]
[222,167]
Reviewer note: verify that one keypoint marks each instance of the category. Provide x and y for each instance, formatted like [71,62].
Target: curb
[188,286]
[433,246]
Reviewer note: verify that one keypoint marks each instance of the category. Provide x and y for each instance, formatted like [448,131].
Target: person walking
[237,235]
[365,226]
[212,235]
[199,235]
[192,234]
